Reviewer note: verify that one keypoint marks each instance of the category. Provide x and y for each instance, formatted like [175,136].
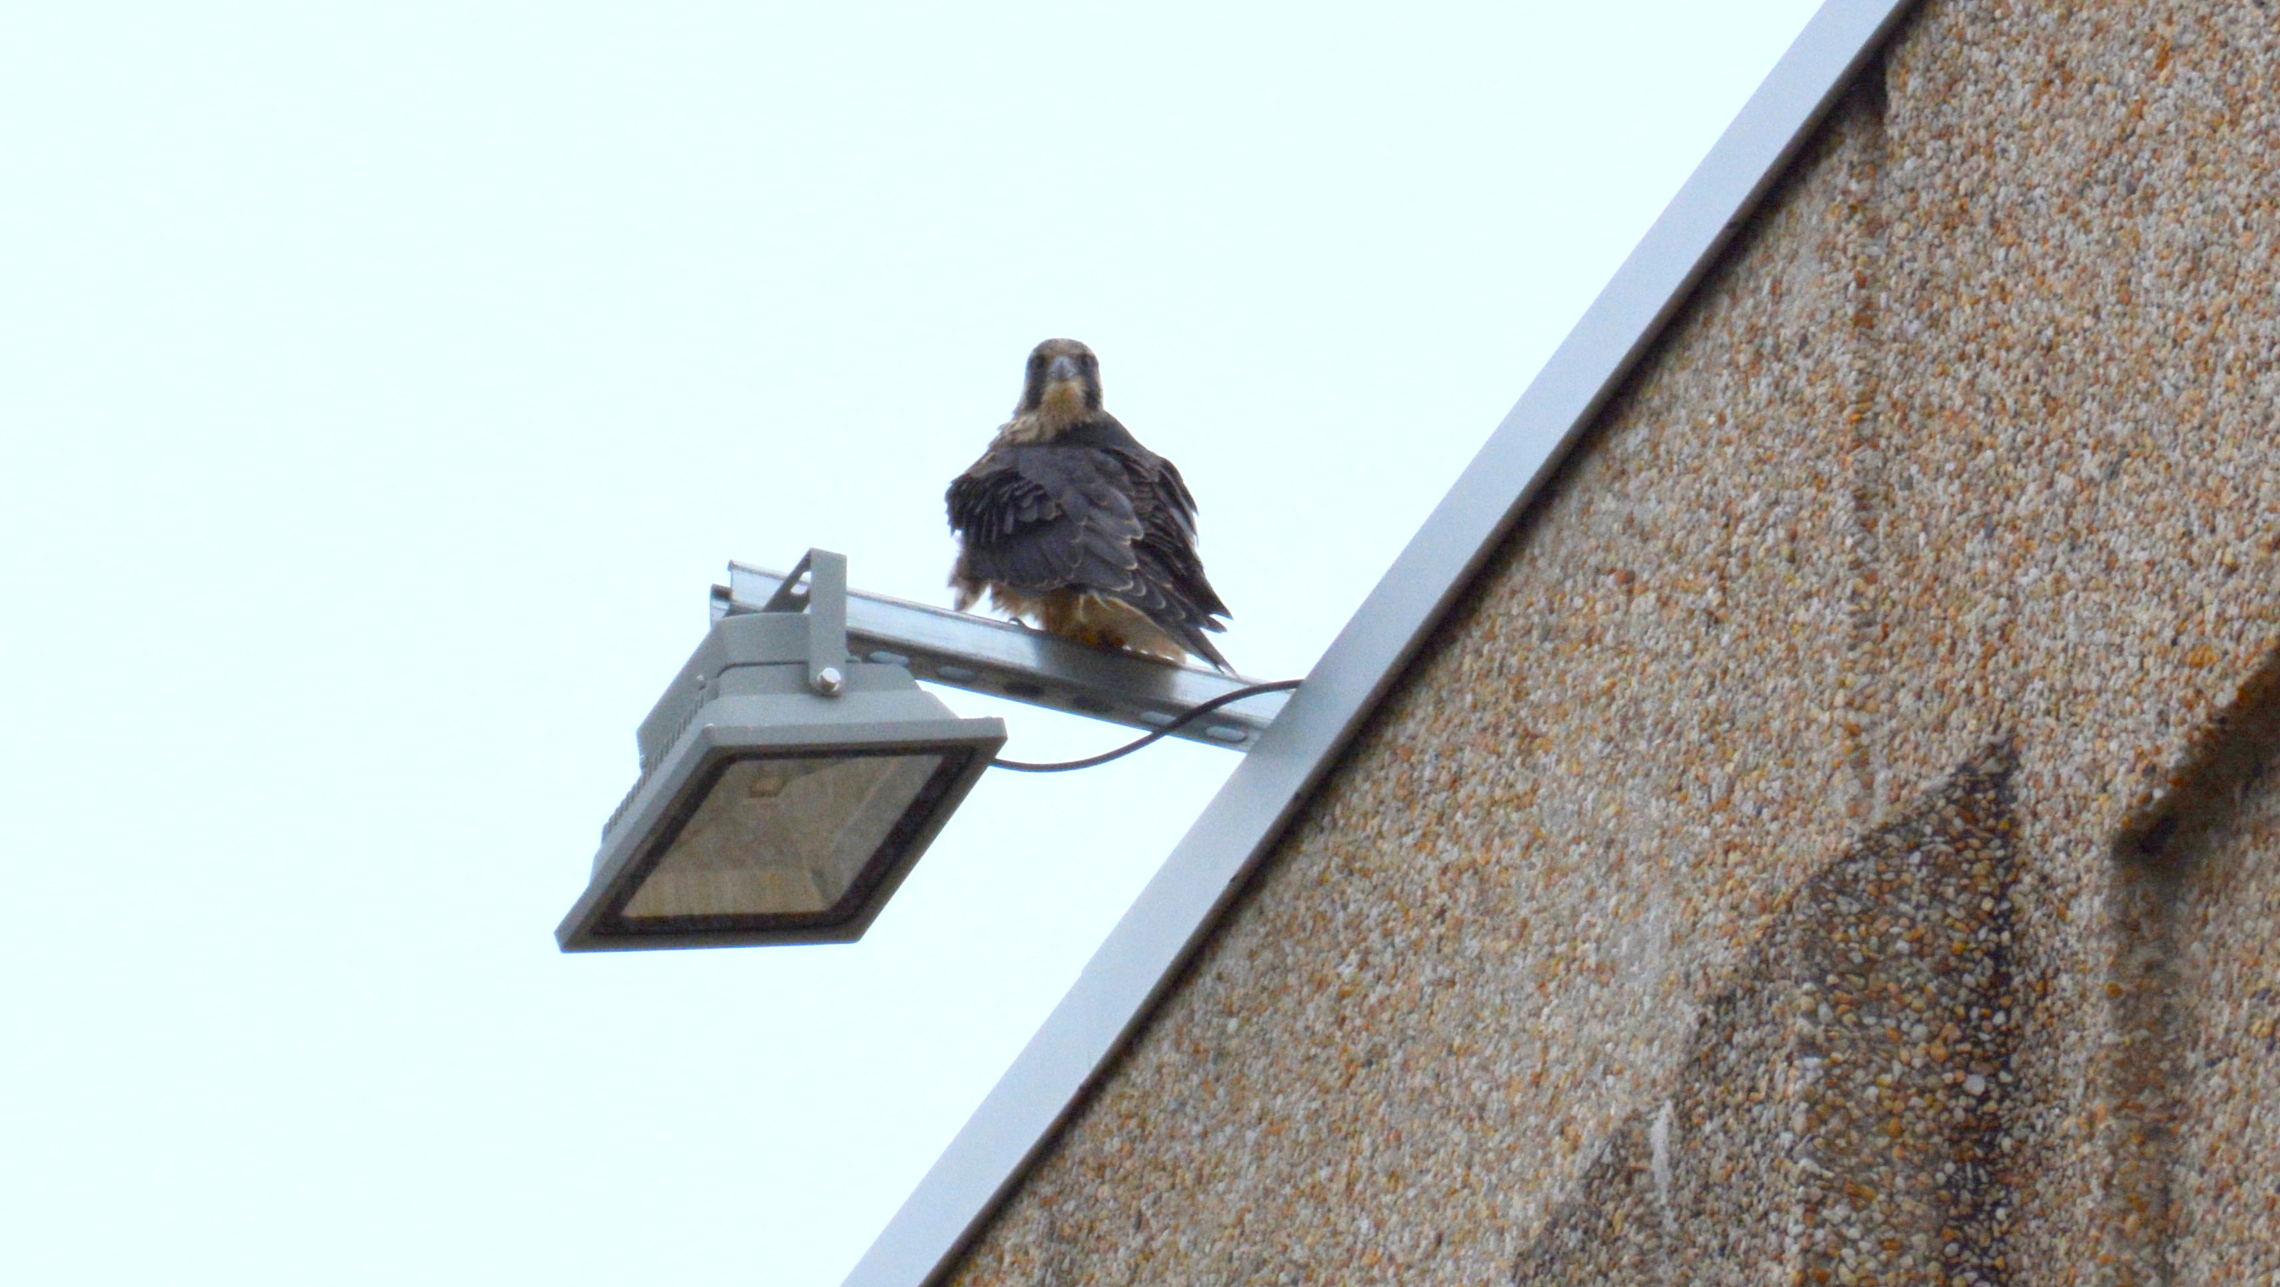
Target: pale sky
[381,387]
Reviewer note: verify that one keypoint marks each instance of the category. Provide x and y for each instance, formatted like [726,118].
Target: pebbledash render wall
[1831,841]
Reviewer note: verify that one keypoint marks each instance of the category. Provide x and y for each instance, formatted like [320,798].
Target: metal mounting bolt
[830,682]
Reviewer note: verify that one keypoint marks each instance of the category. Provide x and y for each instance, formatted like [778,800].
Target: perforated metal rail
[960,650]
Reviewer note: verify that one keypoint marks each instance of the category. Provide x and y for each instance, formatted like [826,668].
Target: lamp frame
[776,684]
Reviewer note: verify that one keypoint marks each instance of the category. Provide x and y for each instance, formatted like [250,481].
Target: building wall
[1829,842]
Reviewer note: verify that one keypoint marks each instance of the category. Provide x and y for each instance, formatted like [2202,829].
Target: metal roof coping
[1143,955]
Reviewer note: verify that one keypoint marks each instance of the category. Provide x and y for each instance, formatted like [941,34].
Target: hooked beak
[1063,367]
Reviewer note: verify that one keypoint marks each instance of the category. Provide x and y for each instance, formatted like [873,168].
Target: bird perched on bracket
[1069,523]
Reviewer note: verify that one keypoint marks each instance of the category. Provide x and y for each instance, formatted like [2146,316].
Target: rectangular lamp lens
[783,836]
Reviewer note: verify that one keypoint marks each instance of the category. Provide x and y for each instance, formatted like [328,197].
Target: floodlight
[785,790]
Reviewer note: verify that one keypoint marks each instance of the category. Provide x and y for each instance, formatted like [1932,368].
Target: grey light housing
[785,790]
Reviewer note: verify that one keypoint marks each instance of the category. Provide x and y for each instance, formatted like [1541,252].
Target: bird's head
[1063,384]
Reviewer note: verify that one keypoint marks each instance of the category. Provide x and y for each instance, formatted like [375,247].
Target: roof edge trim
[1180,906]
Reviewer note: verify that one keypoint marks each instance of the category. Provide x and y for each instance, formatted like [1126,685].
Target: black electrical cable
[1194,712]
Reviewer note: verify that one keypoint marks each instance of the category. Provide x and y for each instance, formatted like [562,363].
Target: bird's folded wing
[1042,518]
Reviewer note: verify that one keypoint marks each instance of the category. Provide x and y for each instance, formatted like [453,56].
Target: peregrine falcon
[1070,524]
